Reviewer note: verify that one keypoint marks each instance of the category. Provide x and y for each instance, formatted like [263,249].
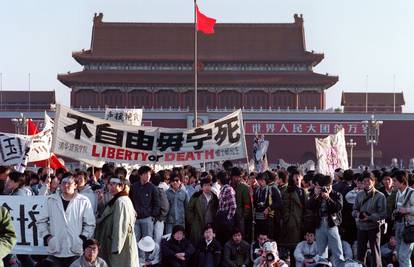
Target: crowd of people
[227,217]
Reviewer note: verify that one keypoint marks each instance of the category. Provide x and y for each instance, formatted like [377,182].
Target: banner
[14,150]
[42,142]
[331,153]
[24,212]
[260,146]
[127,116]
[81,136]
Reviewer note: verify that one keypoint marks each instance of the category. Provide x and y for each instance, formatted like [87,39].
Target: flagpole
[195,65]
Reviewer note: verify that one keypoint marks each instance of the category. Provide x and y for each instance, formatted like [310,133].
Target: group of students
[227,217]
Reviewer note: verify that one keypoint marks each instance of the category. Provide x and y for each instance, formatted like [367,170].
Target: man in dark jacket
[327,206]
[208,253]
[236,251]
[145,197]
[164,207]
[177,250]
[243,201]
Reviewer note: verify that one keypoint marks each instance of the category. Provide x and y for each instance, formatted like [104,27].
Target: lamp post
[20,124]
[351,144]
[372,135]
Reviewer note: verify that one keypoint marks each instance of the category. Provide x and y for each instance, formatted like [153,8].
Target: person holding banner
[67,222]
[115,228]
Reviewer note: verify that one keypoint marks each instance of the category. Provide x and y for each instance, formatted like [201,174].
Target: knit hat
[177,228]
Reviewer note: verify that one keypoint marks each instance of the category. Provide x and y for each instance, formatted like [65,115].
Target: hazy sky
[365,42]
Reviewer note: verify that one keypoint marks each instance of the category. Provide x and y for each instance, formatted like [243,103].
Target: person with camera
[327,206]
[270,256]
[404,218]
[370,211]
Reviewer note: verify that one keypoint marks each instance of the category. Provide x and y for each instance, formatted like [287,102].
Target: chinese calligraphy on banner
[24,212]
[303,128]
[81,136]
[127,116]
[42,142]
[331,153]
[14,150]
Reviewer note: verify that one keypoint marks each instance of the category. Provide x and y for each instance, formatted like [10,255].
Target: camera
[324,189]
[270,257]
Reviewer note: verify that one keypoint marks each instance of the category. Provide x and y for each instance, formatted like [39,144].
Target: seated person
[236,251]
[306,251]
[208,252]
[257,246]
[177,250]
[389,252]
[149,252]
[270,256]
[90,255]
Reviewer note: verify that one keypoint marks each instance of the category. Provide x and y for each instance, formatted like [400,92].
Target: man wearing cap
[370,211]
[67,222]
[177,250]
[327,205]
[149,252]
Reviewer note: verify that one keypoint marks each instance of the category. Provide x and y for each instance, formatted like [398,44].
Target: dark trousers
[224,227]
[62,262]
[374,238]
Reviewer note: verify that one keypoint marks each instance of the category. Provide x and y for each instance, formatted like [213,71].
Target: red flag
[54,161]
[204,23]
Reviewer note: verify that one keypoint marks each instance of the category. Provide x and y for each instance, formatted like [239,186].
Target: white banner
[127,116]
[24,212]
[42,142]
[14,149]
[331,153]
[81,136]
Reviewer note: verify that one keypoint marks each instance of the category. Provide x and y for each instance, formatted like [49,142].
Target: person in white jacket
[306,251]
[66,223]
[85,189]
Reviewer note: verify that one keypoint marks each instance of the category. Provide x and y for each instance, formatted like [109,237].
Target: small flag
[204,23]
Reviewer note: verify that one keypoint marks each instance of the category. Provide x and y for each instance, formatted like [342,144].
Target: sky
[368,44]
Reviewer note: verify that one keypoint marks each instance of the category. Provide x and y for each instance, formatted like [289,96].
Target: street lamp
[372,135]
[20,124]
[351,144]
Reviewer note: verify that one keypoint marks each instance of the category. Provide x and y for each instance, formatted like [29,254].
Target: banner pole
[195,65]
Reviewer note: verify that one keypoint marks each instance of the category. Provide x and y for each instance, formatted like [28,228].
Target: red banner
[303,128]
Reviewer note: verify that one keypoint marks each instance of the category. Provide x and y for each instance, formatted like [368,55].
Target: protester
[227,208]
[208,252]
[178,200]
[243,200]
[177,250]
[90,255]
[404,216]
[4,174]
[16,183]
[306,251]
[7,234]
[115,227]
[270,256]
[159,224]
[327,205]
[236,251]
[81,179]
[146,202]
[201,210]
[370,211]
[149,252]
[389,252]
[256,248]
[67,222]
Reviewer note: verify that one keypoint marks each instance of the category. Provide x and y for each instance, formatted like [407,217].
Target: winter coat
[334,207]
[81,262]
[178,204]
[304,251]
[236,254]
[205,251]
[292,216]
[171,247]
[243,201]
[164,205]
[90,194]
[67,228]
[7,234]
[145,199]
[196,215]
[115,232]
[374,204]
